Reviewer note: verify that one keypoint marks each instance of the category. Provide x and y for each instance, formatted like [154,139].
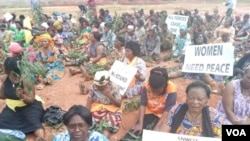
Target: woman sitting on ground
[194,117]
[82,39]
[158,96]
[104,101]
[58,40]
[227,26]
[224,36]
[118,53]
[235,104]
[240,66]
[51,58]
[78,121]
[152,44]
[96,53]
[22,112]
[182,40]
[215,81]
[132,51]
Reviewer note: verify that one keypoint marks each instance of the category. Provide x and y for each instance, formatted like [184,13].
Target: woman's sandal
[40,86]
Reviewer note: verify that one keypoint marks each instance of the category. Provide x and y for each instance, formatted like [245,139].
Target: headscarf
[45,36]
[15,48]
[154,28]
[57,25]
[131,28]
[184,27]
[238,16]
[45,25]
[225,31]
[86,38]
[101,78]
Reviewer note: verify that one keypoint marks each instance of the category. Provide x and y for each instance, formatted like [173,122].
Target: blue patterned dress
[52,61]
[94,136]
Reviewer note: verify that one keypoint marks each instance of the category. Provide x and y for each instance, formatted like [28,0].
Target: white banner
[210,58]
[122,74]
[148,135]
[174,22]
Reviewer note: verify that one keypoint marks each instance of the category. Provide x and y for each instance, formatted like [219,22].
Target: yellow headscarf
[57,25]
[45,36]
[225,31]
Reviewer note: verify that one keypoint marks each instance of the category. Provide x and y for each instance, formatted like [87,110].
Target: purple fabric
[241,104]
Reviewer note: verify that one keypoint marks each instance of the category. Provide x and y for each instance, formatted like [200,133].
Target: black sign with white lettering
[233,132]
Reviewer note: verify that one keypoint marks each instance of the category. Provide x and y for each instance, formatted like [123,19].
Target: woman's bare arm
[228,102]
[99,53]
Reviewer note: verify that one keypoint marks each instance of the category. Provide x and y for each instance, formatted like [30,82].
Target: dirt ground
[66,92]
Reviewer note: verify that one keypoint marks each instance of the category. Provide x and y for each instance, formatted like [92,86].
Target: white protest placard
[148,135]
[174,22]
[7,16]
[209,58]
[27,23]
[122,74]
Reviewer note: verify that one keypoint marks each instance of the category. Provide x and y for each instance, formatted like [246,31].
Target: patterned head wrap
[45,36]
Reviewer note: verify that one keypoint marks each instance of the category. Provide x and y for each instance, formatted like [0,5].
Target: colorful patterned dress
[52,61]
[94,136]
[102,108]
[186,127]
[241,104]
[134,89]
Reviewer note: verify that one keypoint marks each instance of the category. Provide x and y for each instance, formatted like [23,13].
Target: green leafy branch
[103,125]
[147,58]
[77,56]
[131,105]
[37,13]
[93,68]
[29,70]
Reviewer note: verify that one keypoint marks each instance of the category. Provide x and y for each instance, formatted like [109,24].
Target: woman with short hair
[78,121]
[132,52]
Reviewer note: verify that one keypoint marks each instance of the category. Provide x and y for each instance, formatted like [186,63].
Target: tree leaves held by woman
[23,112]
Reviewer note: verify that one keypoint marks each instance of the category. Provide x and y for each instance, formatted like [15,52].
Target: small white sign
[122,74]
[148,135]
[59,18]
[26,23]
[7,16]
[174,22]
[210,58]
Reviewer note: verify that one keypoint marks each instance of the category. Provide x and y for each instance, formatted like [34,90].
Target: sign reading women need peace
[174,22]
[122,74]
[210,58]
